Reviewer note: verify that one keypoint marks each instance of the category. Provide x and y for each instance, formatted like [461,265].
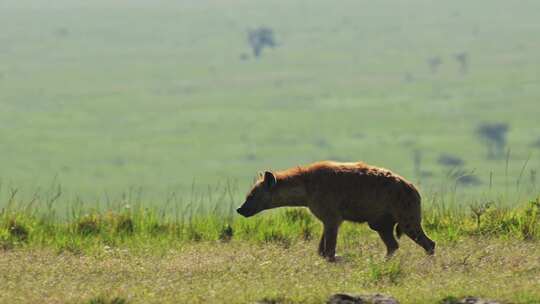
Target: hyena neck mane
[290,189]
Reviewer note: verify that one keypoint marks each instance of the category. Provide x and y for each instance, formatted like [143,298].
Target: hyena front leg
[330,241]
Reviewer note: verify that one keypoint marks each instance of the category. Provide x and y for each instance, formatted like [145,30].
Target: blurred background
[104,97]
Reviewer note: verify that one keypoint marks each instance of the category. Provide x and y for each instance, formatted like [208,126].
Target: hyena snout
[246,211]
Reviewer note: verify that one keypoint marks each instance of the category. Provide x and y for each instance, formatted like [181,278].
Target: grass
[133,227]
[243,272]
[135,257]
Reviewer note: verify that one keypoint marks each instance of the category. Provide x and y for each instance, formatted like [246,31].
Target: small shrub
[124,224]
[88,225]
[17,231]
[479,210]
[192,234]
[524,222]
[529,221]
[226,233]
[497,221]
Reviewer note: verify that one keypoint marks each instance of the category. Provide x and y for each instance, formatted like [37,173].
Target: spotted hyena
[335,192]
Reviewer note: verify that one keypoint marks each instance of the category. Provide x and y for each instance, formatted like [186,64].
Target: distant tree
[532,179]
[260,38]
[434,63]
[62,32]
[408,77]
[463,60]
[244,56]
[536,144]
[469,180]
[417,163]
[494,137]
[465,178]
[449,160]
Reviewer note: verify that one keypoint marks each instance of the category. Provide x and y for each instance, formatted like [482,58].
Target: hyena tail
[399,232]
[411,203]
[409,218]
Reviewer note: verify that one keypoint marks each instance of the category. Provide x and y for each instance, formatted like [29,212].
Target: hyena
[335,192]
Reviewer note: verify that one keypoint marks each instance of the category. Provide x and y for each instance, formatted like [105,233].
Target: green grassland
[102,96]
[137,256]
[129,131]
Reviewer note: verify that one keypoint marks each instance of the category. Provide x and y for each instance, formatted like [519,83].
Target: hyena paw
[334,259]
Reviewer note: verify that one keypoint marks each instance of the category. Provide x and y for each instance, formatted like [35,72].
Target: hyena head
[260,196]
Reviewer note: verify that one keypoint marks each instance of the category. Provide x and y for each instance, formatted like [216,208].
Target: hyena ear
[269,180]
